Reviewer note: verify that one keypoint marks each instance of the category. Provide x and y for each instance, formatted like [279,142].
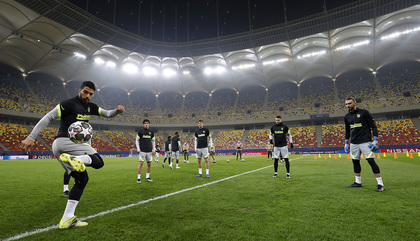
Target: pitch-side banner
[13,157]
[254,153]
[400,150]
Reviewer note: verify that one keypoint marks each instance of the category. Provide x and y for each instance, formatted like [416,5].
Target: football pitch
[241,201]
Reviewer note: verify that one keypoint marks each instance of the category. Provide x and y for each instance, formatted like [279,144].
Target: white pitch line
[37,231]
[41,230]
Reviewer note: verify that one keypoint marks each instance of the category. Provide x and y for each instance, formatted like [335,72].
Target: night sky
[183,20]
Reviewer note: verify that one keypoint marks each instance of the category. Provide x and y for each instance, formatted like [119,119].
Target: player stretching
[359,129]
[186,148]
[175,145]
[157,150]
[167,146]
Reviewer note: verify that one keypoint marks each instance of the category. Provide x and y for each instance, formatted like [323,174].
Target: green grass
[313,205]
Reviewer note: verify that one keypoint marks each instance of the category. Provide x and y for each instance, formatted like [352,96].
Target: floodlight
[276,61]
[353,45]
[99,60]
[312,54]
[168,72]
[219,69]
[79,55]
[399,33]
[208,70]
[130,68]
[243,66]
[111,64]
[149,71]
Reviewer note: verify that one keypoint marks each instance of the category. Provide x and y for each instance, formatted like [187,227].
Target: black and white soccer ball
[227,160]
[80,132]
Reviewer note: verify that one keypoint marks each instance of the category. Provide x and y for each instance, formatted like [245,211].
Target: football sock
[139,175]
[379,179]
[66,188]
[85,159]
[70,208]
[207,171]
[66,178]
[94,160]
[147,175]
[200,170]
[358,179]
[164,160]
[287,165]
[276,165]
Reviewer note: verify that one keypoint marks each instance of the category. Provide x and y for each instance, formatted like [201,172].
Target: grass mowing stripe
[37,231]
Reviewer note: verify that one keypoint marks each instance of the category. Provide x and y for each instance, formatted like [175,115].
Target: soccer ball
[242,160]
[80,132]
[227,160]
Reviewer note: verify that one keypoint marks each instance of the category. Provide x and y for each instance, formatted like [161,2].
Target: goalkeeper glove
[347,147]
[271,141]
[291,145]
[374,145]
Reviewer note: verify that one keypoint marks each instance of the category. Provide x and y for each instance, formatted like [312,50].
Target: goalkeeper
[359,129]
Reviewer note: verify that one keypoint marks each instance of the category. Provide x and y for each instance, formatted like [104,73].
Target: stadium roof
[72,45]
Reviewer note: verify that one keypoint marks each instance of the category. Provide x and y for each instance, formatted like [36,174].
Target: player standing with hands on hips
[359,129]
[73,157]
[279,132]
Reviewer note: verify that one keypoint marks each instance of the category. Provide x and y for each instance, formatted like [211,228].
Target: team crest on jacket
[358,115]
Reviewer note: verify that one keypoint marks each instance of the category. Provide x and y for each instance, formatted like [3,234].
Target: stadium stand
[12,134]
[257,139]
[281,99]
[317,91]
[170,104]
[333,135]
[111,95]
[395,83]
[100,144]
[119,139]
[303,137]
[48,91]
[143,105]
[37,108]
[9,105]
[48,134]
[195,104]
[11,88]
[226,140]
[357,84]
[283,95]
[397,132]
[223,102]
[251,99]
